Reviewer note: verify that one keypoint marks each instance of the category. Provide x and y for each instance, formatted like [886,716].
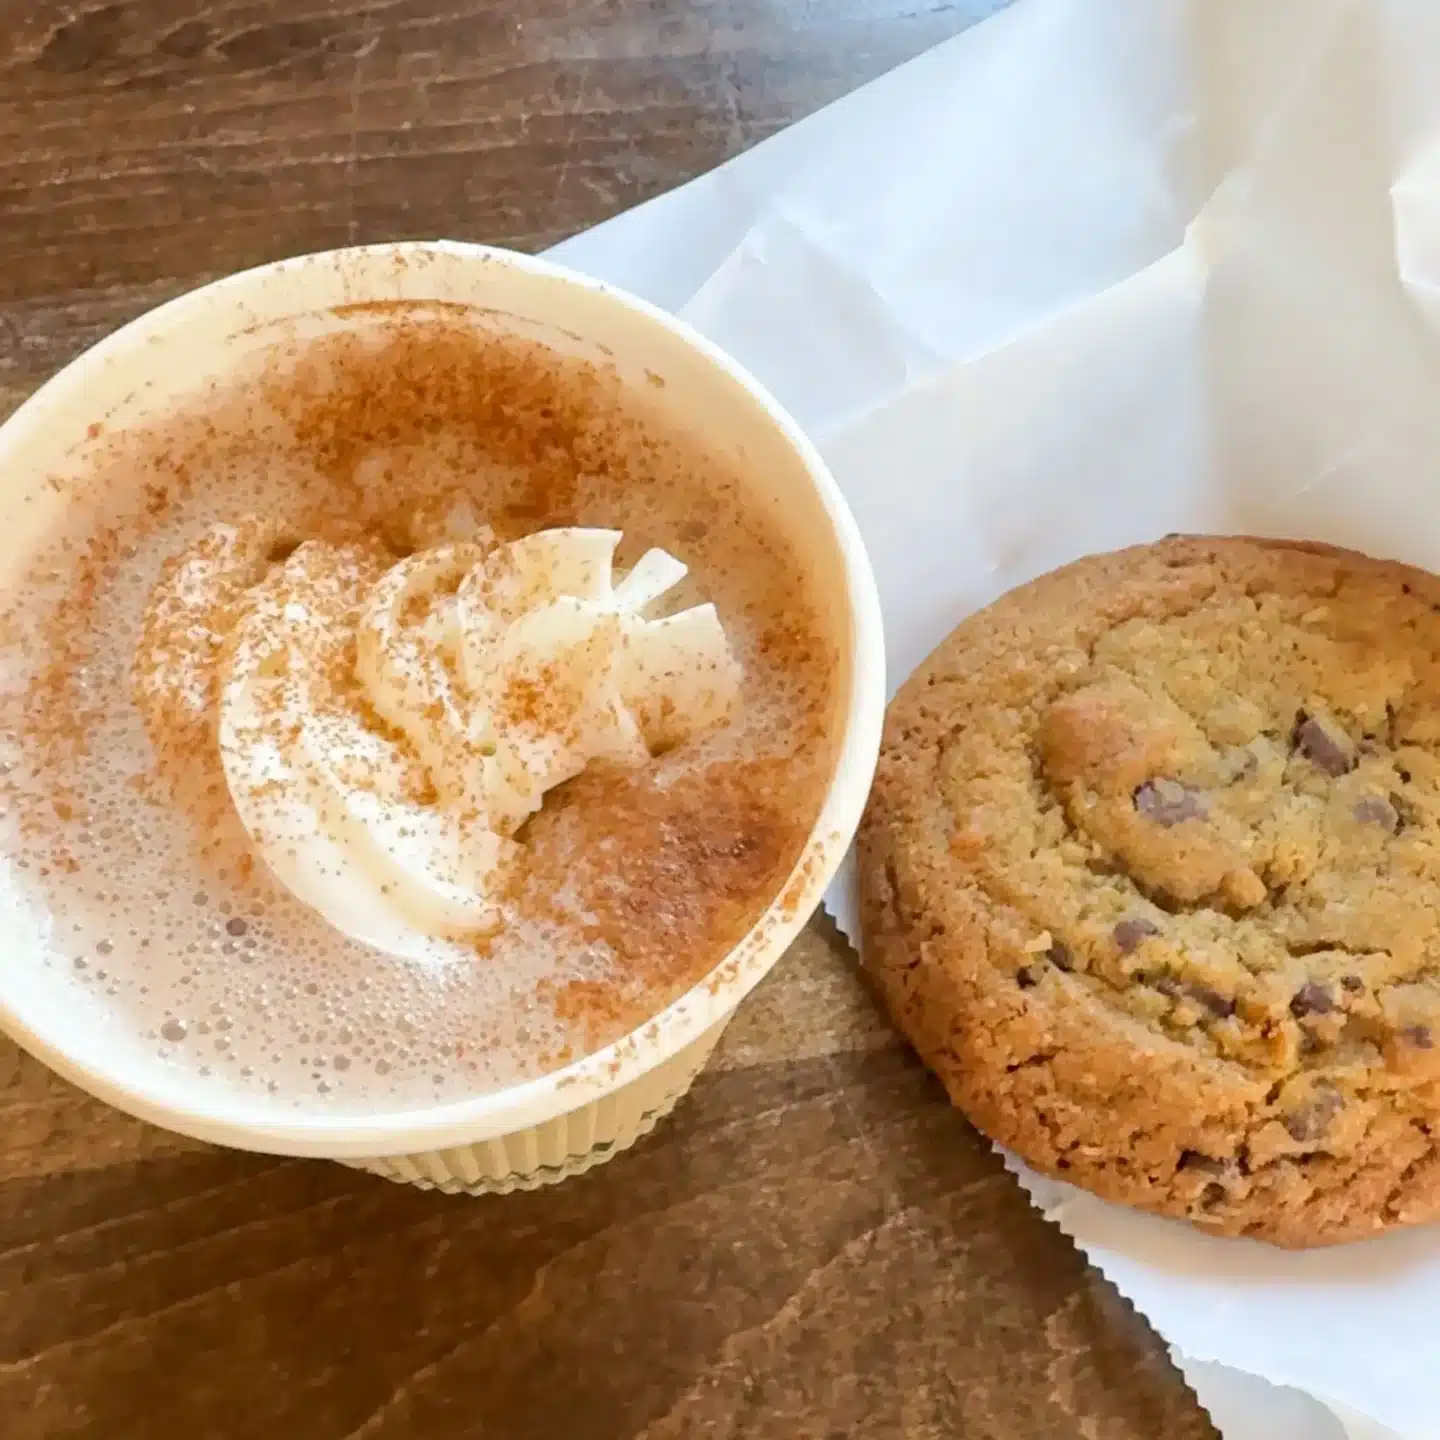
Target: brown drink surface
[133,886]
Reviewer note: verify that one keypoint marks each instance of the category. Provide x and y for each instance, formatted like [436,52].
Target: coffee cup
[586,1111]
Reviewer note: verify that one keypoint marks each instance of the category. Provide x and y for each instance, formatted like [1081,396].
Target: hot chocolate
[402,719]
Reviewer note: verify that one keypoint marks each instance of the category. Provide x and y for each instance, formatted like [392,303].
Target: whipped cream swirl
[386,728]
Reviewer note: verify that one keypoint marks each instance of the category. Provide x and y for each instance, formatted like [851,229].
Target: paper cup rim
[598,1073]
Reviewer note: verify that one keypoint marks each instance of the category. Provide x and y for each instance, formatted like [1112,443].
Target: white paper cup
[565,1122]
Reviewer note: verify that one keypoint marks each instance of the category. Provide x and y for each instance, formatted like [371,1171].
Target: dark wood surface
[815,1245]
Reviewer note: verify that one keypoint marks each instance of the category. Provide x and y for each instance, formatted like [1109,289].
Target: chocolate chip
[236,926]
[1312,1119]
[1320,747]
[1204,1164]
[1206,995]
[1130,932]
[1213,1000]
[1060,957]
[1311,998]
[1167,802]
[1026,978]
[1353,983]
[1376,810]
[1419,1036]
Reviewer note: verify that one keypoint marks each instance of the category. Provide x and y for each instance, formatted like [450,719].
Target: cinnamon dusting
[666,878]
[651,875]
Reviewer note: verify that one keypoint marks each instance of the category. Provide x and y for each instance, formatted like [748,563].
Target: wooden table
[815,1245]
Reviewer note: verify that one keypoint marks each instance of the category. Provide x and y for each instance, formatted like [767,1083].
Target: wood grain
[814,1245]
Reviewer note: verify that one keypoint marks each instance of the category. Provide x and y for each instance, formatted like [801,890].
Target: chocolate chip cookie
[1151,879]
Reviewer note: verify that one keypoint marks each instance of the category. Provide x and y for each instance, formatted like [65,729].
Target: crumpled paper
[1094,271]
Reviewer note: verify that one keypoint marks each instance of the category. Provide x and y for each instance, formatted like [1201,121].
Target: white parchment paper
[1095,271]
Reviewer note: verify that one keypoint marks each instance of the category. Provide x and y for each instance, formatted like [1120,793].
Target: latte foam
[127,879]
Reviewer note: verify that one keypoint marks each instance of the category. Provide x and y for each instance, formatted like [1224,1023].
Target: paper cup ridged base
[568,1145]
